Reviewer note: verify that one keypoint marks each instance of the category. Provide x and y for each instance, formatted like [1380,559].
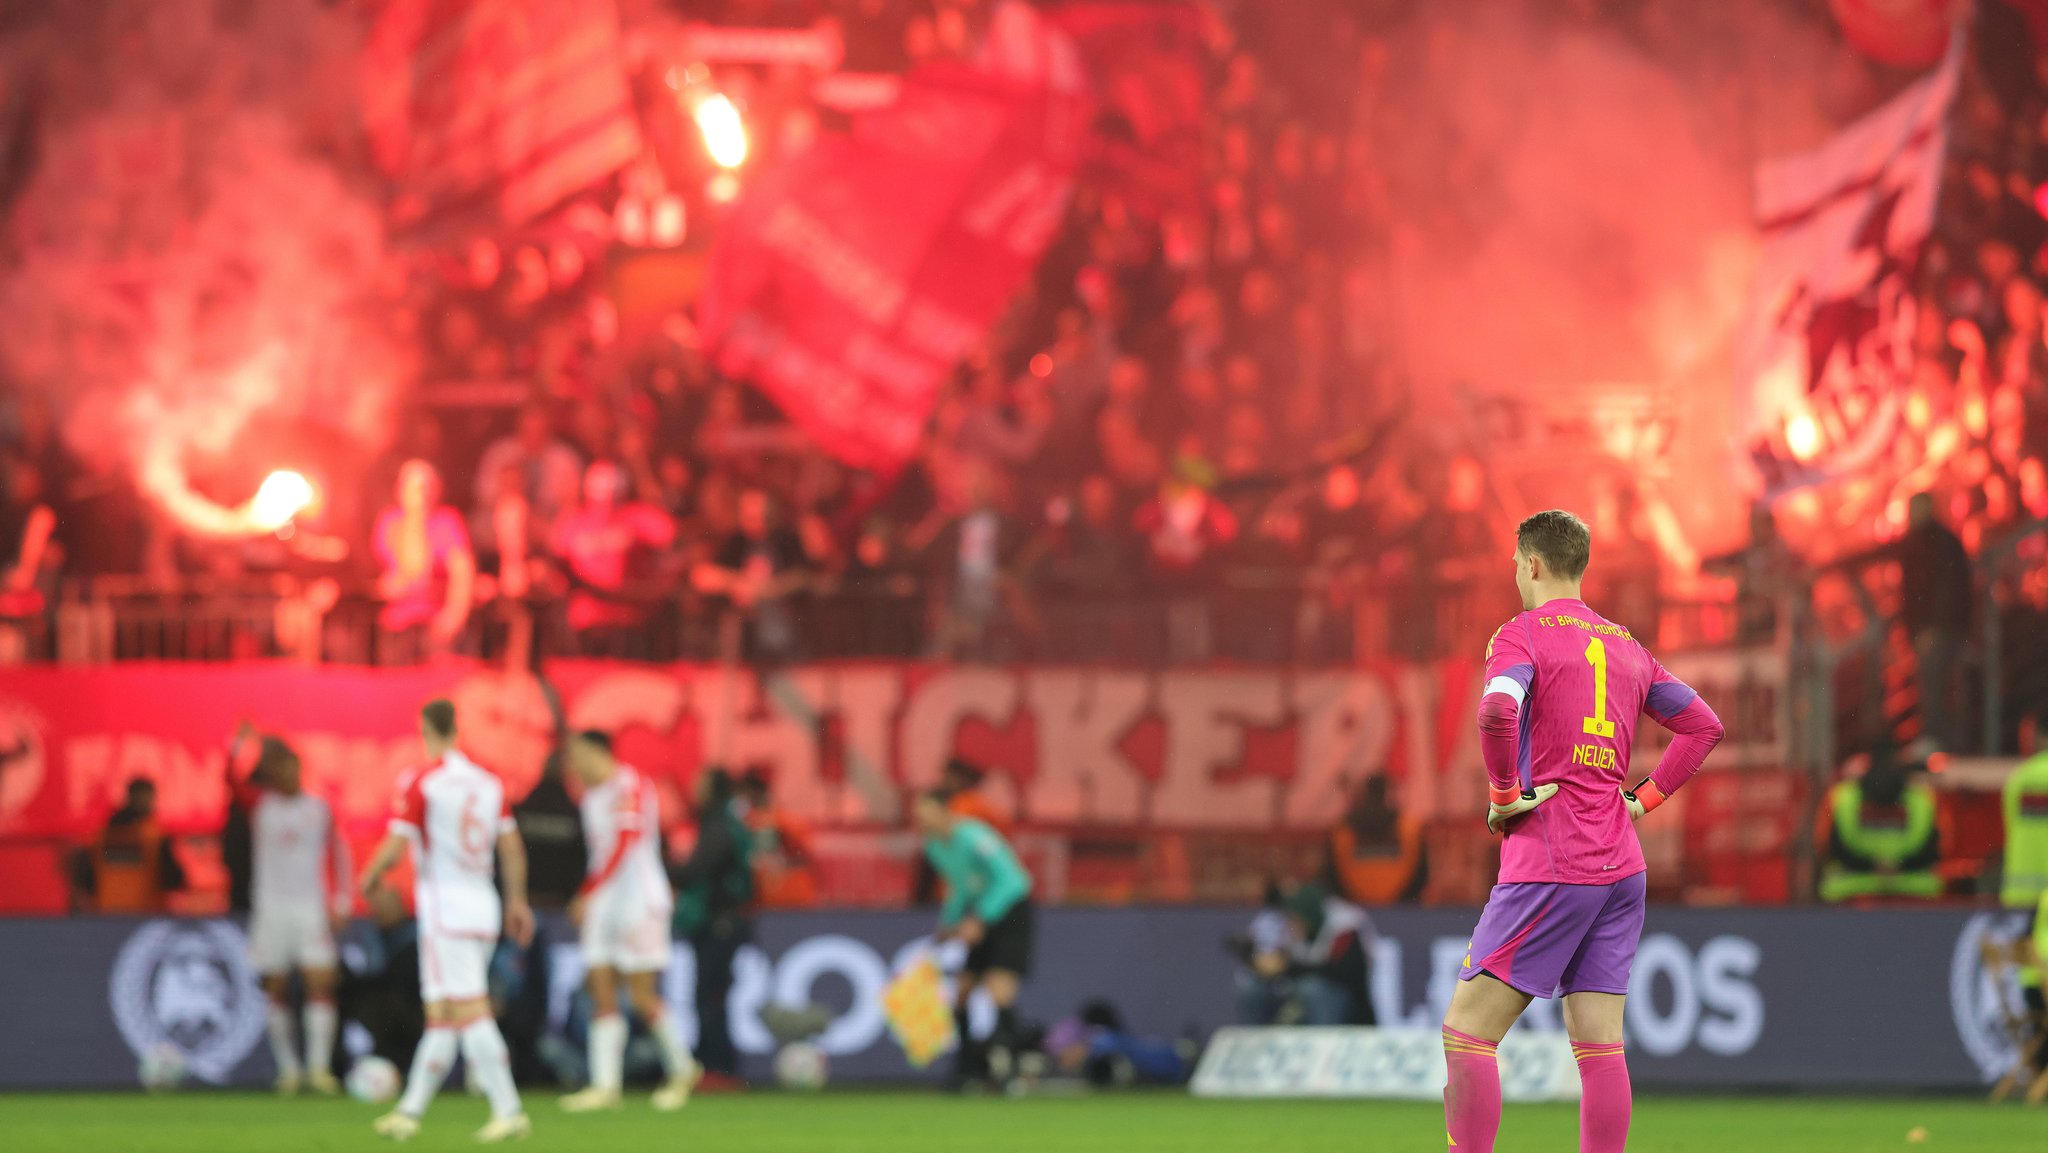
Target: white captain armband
[1507,686]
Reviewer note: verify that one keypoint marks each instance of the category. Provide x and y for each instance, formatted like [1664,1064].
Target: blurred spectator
[597,544]
[1883,836]
[876,565]
[1000,426]
[545,469]
[1436,559]
[245,769]
[551,824]
[634,454]
[126,534]
[512,530]
[1627,576]
[1937,589]
[1270,584]
[2024,801]
[380,982]
[714,893]
[1083,550]
[29,558]
[1766,572]
[726,438]
[1185,529]
[1096,1045]
[1335,520]
[972,553]
[785,863]
[37,442]
[1311,965]
[757,569]
[427,572]
[132,868]
[593,434]
[1183,526]
[675,488]
[1376,854]
[1263,986]
[1330,957]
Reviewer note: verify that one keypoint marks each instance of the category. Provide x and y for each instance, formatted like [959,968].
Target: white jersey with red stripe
[453,813]
[622,827]
[300,862]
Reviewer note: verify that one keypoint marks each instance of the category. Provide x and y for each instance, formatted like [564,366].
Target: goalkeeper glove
[1641,799]
[1498,815]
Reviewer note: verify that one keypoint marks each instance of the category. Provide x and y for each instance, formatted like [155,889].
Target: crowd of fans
[1185,439]
[1185,405]
[1979,413]
[1983,407]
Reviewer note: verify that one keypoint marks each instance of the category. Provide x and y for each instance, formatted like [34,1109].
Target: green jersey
[983,876]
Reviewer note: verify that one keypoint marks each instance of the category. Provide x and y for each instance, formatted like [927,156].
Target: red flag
[1828,356]
[1145,66]
[495,108]
[848,285]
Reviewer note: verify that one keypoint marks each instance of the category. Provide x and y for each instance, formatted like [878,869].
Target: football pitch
[910,1123]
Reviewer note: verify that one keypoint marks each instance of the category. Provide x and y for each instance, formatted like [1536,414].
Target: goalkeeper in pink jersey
[1557,719]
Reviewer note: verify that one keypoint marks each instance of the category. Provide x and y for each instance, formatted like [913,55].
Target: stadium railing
[202,619]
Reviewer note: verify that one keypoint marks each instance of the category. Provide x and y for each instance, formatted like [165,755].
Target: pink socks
[1472,1095]
[1604,1107]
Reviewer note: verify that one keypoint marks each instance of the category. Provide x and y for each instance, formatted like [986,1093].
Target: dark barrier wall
[1780,997]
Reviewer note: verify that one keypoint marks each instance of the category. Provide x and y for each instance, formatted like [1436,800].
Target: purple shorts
[1543,938]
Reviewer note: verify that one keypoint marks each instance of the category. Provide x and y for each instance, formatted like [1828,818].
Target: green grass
[906,1123]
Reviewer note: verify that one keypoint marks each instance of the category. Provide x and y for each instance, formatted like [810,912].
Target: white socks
[483,1049]
[675,1059]
[430,1063]
[608,1052]
[284,1039]
[320,1024]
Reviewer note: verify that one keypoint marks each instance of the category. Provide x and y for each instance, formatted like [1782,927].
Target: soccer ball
[801,1065]
[373,1080]
[162,1068]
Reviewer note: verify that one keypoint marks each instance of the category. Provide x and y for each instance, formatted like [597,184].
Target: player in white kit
[300,899]
[623,914]
[451,814]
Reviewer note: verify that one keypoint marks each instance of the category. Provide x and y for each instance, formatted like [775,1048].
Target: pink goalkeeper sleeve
[1695,731]
[1510,671]
[1500,730]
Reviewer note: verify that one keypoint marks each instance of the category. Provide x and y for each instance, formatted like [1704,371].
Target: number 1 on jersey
[1596,655]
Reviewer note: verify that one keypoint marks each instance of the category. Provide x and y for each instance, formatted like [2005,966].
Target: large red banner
[846,745]
[495,109]
[847,285]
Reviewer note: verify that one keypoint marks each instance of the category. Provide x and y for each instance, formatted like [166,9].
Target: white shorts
[282,939]
[631,940]
[455,968]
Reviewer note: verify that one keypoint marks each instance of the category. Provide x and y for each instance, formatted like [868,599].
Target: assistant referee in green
[988,908]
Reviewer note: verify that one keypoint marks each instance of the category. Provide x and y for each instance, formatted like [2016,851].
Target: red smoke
[1570,207]
[193,256]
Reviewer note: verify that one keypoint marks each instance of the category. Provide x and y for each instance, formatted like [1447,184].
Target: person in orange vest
[1376,855]
[133,868]
[785,867]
